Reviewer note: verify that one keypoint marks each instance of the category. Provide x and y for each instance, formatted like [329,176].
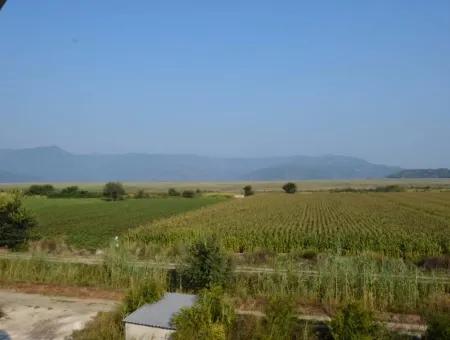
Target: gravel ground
[33,316]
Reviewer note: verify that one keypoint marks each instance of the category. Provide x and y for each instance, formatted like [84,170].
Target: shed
[153,321]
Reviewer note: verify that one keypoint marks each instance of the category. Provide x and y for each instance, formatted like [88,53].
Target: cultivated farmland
[407,224]
[92,222]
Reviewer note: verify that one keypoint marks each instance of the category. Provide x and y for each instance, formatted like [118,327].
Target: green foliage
[113,191]
[105,326]
[290,188]
[141,194]
[206,265]
[188,193]
[72,192]
[173,192]
[353,322]
[280,319]
[91,222]
[438,327]
[248,190]
[142,293]
[15,221]
[210,318]
[40,189]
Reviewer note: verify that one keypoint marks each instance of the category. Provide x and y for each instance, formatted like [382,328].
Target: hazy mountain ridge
[422,173]
[55,164]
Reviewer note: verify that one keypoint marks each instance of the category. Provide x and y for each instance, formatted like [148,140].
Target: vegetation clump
[438,327]
[188,194]
[173,192]
[207,265]
[248,190]
[113,191]
[280,320]
[354,322]
[290,188]
[15,221]
[40,189]
[211,318]
[141,194]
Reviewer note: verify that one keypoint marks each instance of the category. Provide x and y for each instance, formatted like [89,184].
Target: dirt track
[33,316]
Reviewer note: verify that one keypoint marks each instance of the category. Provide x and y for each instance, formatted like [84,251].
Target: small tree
[173,192]
[40,189]
[280,319]
[353,322]
[113,191]
[15,221]
[188,193]
[290,188]
[206,265]
[248,190]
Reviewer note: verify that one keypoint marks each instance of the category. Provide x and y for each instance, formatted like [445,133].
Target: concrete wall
[138,332]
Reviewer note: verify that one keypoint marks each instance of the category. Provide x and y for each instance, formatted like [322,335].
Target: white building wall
[138,332]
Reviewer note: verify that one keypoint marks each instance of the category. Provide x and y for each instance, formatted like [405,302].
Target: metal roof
[160,314]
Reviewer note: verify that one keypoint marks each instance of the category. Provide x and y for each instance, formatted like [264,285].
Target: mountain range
[55,164]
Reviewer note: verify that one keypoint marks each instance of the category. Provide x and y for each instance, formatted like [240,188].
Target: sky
[369,79]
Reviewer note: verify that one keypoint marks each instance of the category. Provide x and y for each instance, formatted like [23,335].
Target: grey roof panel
[160,314]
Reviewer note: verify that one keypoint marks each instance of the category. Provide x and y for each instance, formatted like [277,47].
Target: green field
[406,224]
[91,222]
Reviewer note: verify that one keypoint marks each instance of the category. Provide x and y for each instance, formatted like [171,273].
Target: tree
[15,221]
[290,188]
[188,194]
[206,265]
[113,191]
[173,192]
[40,189]
[248,190]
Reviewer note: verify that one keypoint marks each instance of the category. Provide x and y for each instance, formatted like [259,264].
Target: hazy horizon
[255,79]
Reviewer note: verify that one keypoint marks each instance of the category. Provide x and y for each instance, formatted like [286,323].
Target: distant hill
[422,173]
[55,164]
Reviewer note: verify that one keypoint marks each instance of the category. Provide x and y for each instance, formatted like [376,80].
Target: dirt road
[33,316]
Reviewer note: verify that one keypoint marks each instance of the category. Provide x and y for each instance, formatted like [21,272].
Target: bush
[280,319]
[113,191]
[145,292]
[353,322]
[72,192]
[141,194]
[173,192]
[40,189]
[438,327]
[210,318]
[15,221]
[206,265]
[290,188]
[248,190]
[188,193]
[105,326]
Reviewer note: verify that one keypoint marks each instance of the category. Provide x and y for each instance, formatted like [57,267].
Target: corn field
[407,224]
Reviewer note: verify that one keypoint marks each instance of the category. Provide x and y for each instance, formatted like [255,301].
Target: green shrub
[210,318]
[40,189]
[280,319]
[173,192]
[353,322]
[290,188]
[15,221]
[438,327]
[113,191]
[248,190]
[206,265]
[140,294]
[188,193]
[141,194]
[105,326]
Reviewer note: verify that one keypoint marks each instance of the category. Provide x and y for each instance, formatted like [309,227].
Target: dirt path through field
[34,316]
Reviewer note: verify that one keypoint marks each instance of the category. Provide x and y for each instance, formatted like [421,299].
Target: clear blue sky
[232,78]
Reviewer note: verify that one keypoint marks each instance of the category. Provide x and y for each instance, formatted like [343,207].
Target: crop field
[406,224]
[91,222]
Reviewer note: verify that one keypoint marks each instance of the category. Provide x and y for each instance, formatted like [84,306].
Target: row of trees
[289,188]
